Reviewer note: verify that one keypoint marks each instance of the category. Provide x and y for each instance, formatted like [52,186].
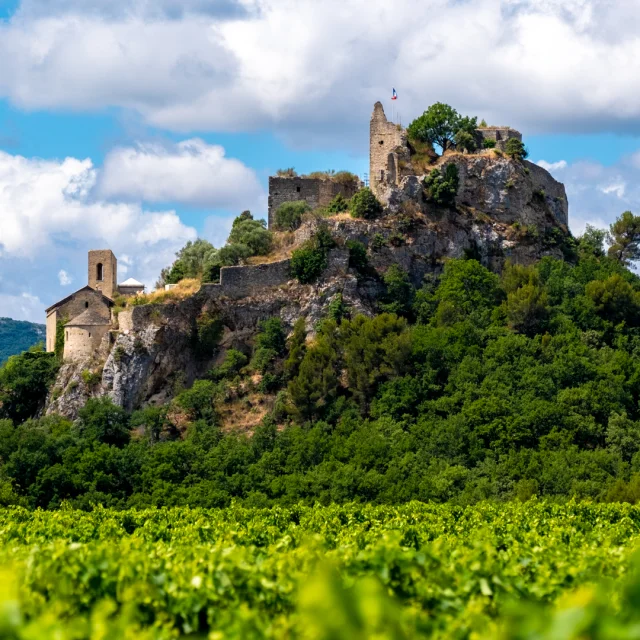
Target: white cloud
[22,307]
[64,278]
[303,67]
[598,194]
[48,217]
[552,166]
[191,172]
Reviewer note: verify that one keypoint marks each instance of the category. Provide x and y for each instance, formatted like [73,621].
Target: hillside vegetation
[17,336]
[476,386]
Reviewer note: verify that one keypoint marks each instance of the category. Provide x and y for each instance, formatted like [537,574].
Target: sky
[138,125]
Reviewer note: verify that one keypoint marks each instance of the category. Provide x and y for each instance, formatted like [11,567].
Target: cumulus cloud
[49,217]
[598,194]
[64,278]
[191,172]
[552,166]
[21,307]
[298,65]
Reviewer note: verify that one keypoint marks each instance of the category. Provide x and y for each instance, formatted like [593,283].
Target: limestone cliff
[504,210]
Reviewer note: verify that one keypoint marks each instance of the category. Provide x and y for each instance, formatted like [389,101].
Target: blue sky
[140,124]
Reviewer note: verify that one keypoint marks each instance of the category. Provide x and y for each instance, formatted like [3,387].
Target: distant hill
[17,336]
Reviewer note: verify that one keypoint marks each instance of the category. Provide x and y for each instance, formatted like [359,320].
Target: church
[87,314]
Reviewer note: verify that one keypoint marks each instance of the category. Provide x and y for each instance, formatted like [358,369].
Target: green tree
[24,383]
[614,299]
[288,216]
[439,125]
[400,293]
[466,288]
[515,149]
[297,348]
[364,204]
[442,188]
[624,236]
[591,242]
[251,233]
[102,421]
[528,309]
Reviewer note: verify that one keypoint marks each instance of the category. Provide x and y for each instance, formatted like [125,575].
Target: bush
[515,149]
[209,330]
[307,264]
[233,362]
[488,143]
[364,204]
[288,216]
[358,259]
[443,188]
[465,141]
[338,204]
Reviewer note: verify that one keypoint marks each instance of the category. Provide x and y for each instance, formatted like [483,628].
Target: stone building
[316,192]
[87,314]
[387,146]
[84,334]
[500,135]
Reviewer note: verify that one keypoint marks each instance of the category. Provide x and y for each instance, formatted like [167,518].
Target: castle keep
[86,315]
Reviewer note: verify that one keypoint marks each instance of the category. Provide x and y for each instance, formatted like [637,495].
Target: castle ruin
[316,192]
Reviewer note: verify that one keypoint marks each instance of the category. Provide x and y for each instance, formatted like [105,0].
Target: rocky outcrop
[504,210]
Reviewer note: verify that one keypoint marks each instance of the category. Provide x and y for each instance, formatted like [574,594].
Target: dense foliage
[442,125]
[353,571]
[475,386]
[17,336]
[364,204]
[442,186]
[202,261]
[310,260]
[288,216]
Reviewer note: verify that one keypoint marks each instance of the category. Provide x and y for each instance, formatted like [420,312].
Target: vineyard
[522,571]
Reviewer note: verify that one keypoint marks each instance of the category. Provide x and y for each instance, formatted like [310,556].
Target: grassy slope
[17,336]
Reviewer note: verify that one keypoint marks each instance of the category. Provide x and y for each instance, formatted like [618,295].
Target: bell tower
[103,272]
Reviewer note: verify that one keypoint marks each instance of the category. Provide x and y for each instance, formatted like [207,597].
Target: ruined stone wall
[82,342]
[109,282]
[384,141]
[316,192]
[237,282]
[500,135]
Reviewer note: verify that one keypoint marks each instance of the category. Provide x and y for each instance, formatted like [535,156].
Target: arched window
[99,272]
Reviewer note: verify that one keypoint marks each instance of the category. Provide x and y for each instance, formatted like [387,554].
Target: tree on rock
[624,236]
[515,149]
[440,124]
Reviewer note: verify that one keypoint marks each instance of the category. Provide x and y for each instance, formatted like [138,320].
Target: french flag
[394,95]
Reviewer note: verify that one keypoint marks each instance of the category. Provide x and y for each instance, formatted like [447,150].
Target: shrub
[465,141]
[91,378]
[310,260]
[209,330]
[358,259]
[233,362]
[364,204]
[263,359]
[287,173]
[488,143]
[347,178]
[515,149]
[442,188]
[338,204]
[288,216]
[378,242]
[307,263]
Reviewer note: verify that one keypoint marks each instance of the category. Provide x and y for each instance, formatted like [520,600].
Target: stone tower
[386,139]
[103,272]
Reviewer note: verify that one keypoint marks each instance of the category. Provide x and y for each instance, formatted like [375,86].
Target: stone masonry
[103,272]
[500,135]
[316,192]
[387,141]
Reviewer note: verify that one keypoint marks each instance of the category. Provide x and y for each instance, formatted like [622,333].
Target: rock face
[505,210]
